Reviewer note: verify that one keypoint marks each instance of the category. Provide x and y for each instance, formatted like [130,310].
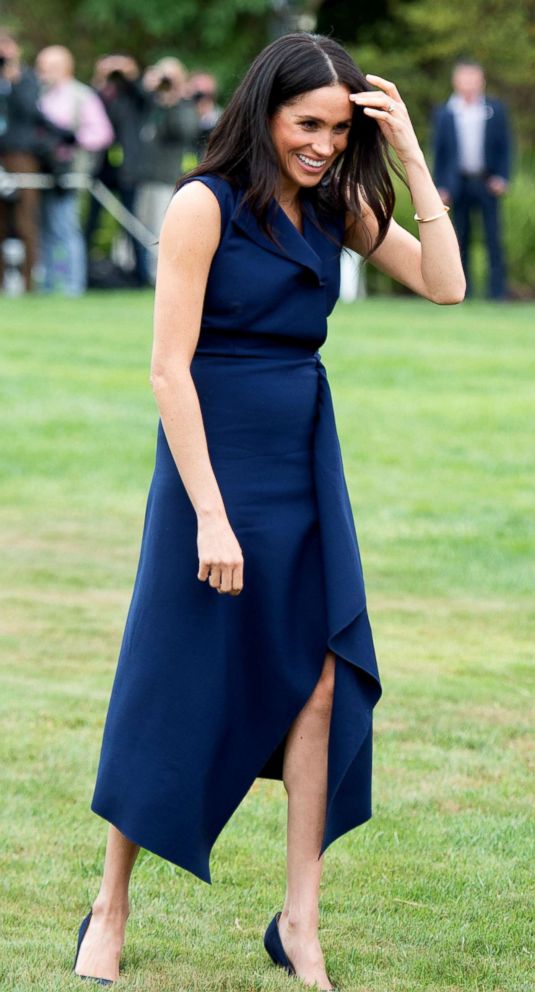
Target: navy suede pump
[81,933]
[273,945]
[275,949]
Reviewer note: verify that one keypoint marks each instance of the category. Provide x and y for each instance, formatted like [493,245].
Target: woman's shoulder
[211,178]
[220,184]
[224,189]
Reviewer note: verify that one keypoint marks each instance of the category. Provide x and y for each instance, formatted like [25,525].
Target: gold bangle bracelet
[423,220]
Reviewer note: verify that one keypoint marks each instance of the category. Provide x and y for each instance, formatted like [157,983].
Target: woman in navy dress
[247,650]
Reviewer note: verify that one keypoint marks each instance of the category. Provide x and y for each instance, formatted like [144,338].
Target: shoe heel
[274,947]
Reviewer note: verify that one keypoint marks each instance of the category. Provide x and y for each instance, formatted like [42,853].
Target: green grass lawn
[435,411]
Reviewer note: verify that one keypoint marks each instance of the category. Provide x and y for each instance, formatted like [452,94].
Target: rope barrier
[12,181]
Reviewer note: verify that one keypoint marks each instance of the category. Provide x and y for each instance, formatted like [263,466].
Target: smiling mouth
[312,163]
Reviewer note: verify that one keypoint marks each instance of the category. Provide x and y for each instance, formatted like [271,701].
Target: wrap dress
[207,685]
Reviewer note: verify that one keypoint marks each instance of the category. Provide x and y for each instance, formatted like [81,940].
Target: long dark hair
[240,148]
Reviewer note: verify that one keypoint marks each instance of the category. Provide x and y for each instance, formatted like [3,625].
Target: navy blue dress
[207,685]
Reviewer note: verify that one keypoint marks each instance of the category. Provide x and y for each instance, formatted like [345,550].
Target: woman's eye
[312,124]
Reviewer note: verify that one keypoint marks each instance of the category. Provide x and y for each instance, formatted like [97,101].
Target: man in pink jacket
[73,105]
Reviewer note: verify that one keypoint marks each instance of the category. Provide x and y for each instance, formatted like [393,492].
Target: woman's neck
[288,195]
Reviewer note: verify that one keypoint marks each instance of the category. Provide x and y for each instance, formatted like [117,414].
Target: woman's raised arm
[431,264]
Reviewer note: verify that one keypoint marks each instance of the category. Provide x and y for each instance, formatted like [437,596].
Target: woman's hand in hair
[395,125]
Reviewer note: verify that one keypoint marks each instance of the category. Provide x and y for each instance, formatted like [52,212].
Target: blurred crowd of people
[135,129]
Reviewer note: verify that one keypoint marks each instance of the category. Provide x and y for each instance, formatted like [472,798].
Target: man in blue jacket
[472,149]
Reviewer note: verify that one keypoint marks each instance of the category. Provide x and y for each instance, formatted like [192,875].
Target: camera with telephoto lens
[164,85]
[117,77]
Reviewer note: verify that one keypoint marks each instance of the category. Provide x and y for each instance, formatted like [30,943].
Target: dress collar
[294,245]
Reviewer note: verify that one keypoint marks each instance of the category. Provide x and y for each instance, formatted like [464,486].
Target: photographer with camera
[169,134]
[117,80]
[68,103]
[202,89]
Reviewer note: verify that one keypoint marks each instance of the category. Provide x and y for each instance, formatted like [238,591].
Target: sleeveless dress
[207,685]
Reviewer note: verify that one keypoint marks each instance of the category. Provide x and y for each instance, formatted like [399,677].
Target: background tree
[415,42]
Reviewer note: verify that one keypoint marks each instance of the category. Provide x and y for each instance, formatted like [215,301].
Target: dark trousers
[127,196]
[23,213]
[474,197]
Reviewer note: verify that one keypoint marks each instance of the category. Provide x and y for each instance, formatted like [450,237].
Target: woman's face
[310,133]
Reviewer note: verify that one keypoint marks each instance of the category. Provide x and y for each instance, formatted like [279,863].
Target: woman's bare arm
[431,264]
[188,240]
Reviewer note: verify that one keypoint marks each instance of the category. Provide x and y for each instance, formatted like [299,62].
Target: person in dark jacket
[202,89]
[472,146]
[22,130]
[117,80]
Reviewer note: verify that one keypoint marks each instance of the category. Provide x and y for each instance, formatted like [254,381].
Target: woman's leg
[103,941]
[305,780]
